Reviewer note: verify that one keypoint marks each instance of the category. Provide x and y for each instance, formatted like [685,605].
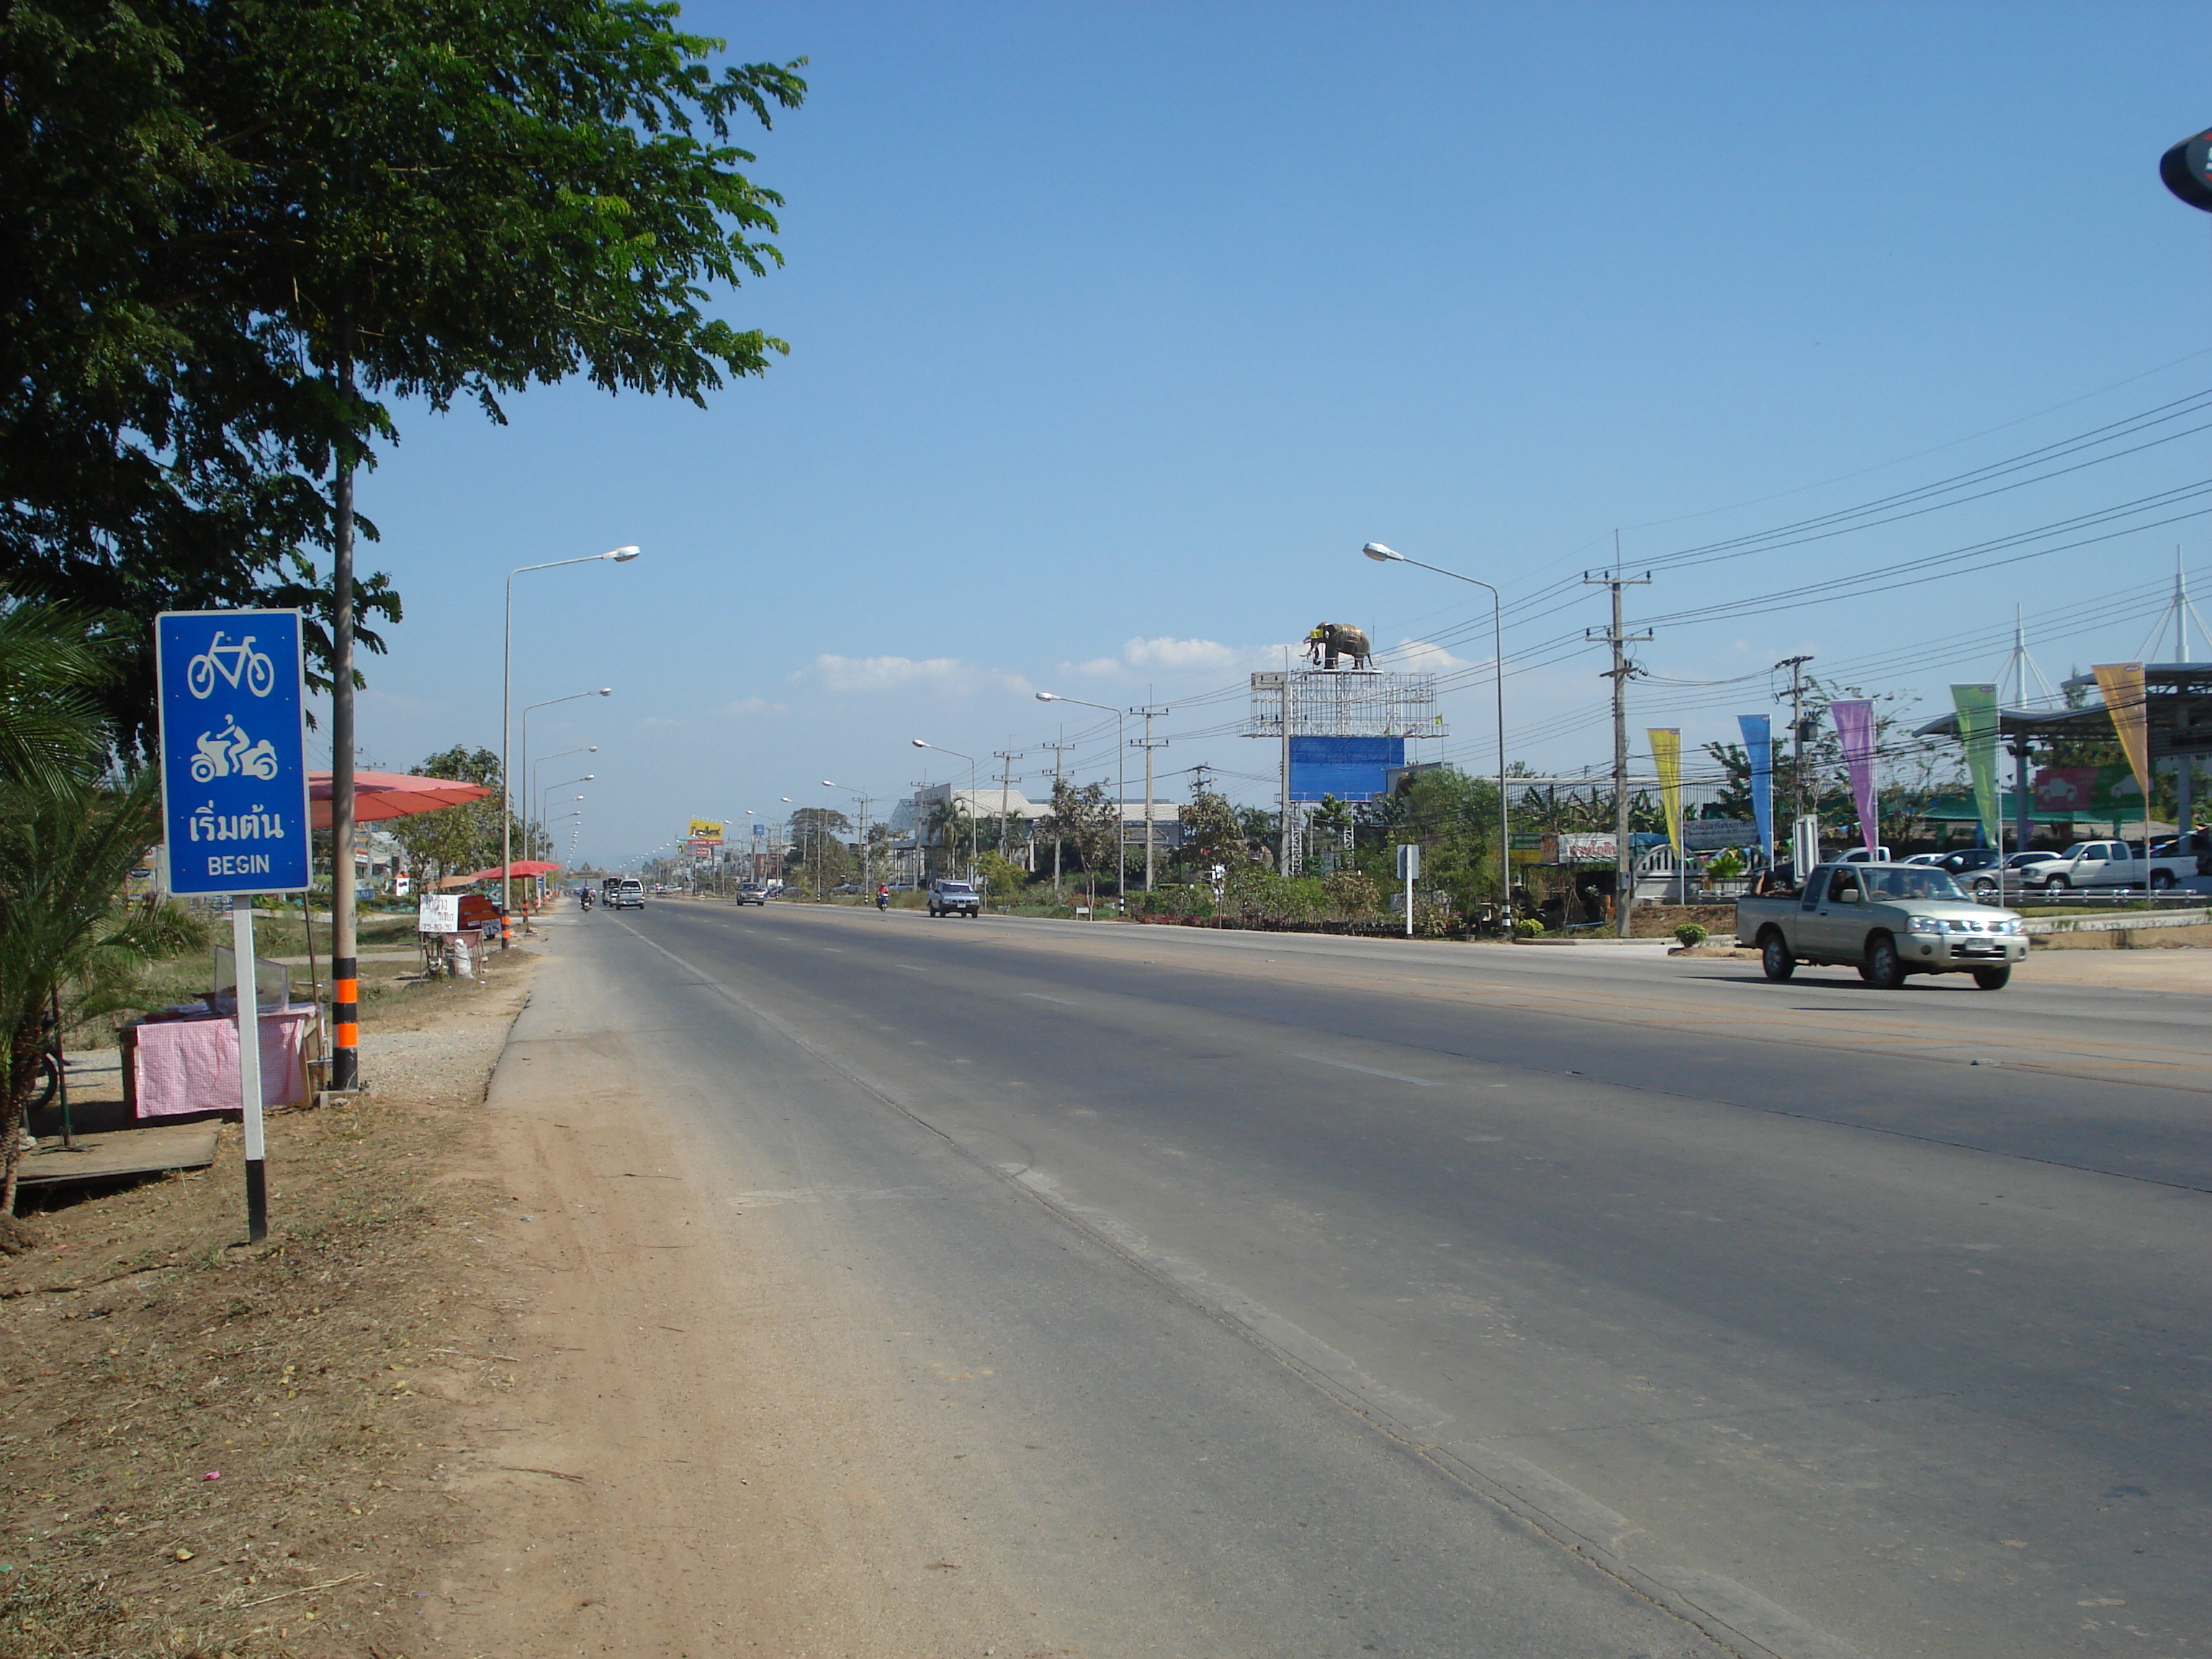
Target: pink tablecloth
[192,1065]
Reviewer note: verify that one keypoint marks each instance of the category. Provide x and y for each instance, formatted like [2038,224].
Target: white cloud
[1179,655]
[867,674]
[1421,657]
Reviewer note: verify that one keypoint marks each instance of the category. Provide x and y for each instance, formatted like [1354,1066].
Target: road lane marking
[1346,1066]
[1039,996]
[910,968]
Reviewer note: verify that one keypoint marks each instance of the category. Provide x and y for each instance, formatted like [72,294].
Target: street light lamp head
[919,743]
[1382,555]
[606,690]
[621,555]
[1047,696]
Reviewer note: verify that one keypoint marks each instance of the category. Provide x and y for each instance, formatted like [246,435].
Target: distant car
[630,894]
[1860,855]
[954,898]
[751,892]
[847,887]
[1925,857]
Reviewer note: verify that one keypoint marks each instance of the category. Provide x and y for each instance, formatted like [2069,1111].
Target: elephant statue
[1329,641]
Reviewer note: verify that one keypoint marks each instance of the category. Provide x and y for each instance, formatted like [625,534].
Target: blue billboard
[233,750]
[1350,768]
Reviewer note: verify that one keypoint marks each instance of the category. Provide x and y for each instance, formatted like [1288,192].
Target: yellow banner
[2125,696]
[706,830]
[1667,754]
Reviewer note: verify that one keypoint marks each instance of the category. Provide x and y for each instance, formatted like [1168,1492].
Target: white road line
[1039,996]
[910,968]
[1346,1066]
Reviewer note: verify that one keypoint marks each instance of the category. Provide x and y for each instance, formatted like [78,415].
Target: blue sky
[1117,329]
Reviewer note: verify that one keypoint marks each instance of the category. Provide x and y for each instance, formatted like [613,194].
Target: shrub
[1349,893]
[1527,927]
[1727,866]
[1691,934]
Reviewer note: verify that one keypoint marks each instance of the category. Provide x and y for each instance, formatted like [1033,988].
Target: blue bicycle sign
[233,750]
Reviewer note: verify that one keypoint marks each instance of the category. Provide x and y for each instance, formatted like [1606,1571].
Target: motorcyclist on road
[883,895]
[587,898]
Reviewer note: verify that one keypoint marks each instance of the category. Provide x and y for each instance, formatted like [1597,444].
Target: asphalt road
[1341,1296]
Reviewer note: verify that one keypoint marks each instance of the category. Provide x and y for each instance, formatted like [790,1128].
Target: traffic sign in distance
[233,750]
[2187,170]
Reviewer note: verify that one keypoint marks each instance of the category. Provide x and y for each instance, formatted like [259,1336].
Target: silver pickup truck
[1887,920]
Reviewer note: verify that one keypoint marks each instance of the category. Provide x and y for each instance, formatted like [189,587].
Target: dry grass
[209,1449]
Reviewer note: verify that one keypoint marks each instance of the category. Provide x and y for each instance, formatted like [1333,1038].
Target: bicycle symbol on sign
[244,663]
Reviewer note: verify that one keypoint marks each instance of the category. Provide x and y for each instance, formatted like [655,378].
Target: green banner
[1978,730]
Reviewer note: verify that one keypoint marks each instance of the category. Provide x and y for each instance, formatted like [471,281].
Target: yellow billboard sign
[706,830]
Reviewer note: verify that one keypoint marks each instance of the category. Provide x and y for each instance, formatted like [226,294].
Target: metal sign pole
[249,1067]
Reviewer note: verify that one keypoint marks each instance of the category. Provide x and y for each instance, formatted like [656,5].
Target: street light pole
[973,852]
[602,691]
[1120,792]
[1382,555]
[619,556]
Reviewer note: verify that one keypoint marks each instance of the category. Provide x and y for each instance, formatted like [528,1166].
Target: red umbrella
[390,795]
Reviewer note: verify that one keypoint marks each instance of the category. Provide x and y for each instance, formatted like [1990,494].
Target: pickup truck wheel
[2057,881]
[2160,880]
[1885,969]
[1993,979]
[1775,959]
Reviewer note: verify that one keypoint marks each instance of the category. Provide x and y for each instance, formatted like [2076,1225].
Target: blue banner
[1759,745]
[1350,768]
[233,750]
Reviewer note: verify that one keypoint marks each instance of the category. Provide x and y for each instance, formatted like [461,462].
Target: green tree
[1212,832]
[231,229]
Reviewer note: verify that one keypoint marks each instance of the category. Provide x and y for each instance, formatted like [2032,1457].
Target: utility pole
[1148,742]
[1797,667]
[1624,865]
[1059,776]
[1006,788]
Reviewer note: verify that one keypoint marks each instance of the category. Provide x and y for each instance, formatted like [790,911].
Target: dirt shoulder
[217,1449]
[502,1381]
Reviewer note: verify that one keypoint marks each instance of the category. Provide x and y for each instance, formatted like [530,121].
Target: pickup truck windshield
[1913,882]
[954,887]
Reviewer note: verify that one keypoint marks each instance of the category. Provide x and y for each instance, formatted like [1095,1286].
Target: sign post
[234,800]
[1409,866]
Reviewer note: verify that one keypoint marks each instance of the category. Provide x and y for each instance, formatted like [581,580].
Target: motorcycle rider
[883,895]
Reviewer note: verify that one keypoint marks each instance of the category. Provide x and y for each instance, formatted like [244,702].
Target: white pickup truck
[2112,864]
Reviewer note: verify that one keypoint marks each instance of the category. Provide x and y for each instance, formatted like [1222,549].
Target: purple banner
[1855,727]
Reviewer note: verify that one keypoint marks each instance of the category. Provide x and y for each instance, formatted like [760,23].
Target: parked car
[1887,920]
[2115,864]
[1860,855]
[954,898]
[1983,872]
[845,887]
[751,892]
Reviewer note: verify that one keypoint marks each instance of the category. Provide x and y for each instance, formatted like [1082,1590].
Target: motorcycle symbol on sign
[230,751]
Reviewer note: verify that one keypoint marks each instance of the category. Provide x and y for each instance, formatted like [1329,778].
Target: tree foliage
[234,227]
